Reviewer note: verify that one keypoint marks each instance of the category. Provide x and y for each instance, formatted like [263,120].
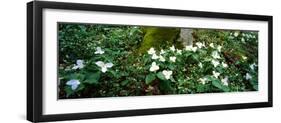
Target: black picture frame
[34,60]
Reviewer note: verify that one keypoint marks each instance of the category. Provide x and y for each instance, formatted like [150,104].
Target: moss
[158,38]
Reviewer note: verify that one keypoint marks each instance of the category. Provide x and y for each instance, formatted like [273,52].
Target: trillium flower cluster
[154,56]
[74,83]
[104,66]
[155,67]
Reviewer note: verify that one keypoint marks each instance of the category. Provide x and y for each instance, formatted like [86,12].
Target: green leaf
[195,57]
[93,78]
[187,54]
[149,78]
[125,82]
[165,86]
[219,85]
[76,76]
[172,67]
[68,91]
[216,83]
[254,83]
[161,76]
[80,87]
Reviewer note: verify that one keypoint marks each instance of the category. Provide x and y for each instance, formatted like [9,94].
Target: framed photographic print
[94,61]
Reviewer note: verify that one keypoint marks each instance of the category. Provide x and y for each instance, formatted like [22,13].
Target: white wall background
[13,61]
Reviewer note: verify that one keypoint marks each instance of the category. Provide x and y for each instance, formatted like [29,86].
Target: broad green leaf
[161,76]
[255,84]
[68,91]
[165,86]
[93,78]
[76,76]
[172,67]
[216,83]
[80,87]
[125,82]
[149,78]
[219,85]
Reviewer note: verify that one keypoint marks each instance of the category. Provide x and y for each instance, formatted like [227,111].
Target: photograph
[90,61]
[107,60]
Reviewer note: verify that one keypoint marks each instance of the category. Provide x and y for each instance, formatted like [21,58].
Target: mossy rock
[158,37]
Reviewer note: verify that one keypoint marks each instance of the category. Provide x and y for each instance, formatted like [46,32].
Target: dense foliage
[101,61]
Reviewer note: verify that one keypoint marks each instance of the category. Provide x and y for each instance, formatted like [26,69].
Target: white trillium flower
[252,66]
[225,81]
[248,76]
[212,45]
[224,65]
[154,67]
[154,56]
[244,57]
[236,34]
[161,58]
[203,80]
[200,45]
[167,74]
[172,48]
[219,48]
[151,51]
[99,50]
[215,63]
[79,65]
[73,83]
[188,48]
[173,59]
[200,65]
[194,49]
[104,66]
[215,55]
[216,74]
[179,52]
[162,52]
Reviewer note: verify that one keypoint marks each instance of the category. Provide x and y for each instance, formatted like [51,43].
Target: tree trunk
[159,37]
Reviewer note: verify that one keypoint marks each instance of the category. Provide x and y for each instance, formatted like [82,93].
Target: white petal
[173,59]
[79,62]
[74,87]
[162,52]
[69,82]
[154,56]
[188,48]
[162,59]
[98,48]
[212,45]
[103,69]
[151,51]
[75,67]
[172,48]
[108,65]
[154,67]
[100,63]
